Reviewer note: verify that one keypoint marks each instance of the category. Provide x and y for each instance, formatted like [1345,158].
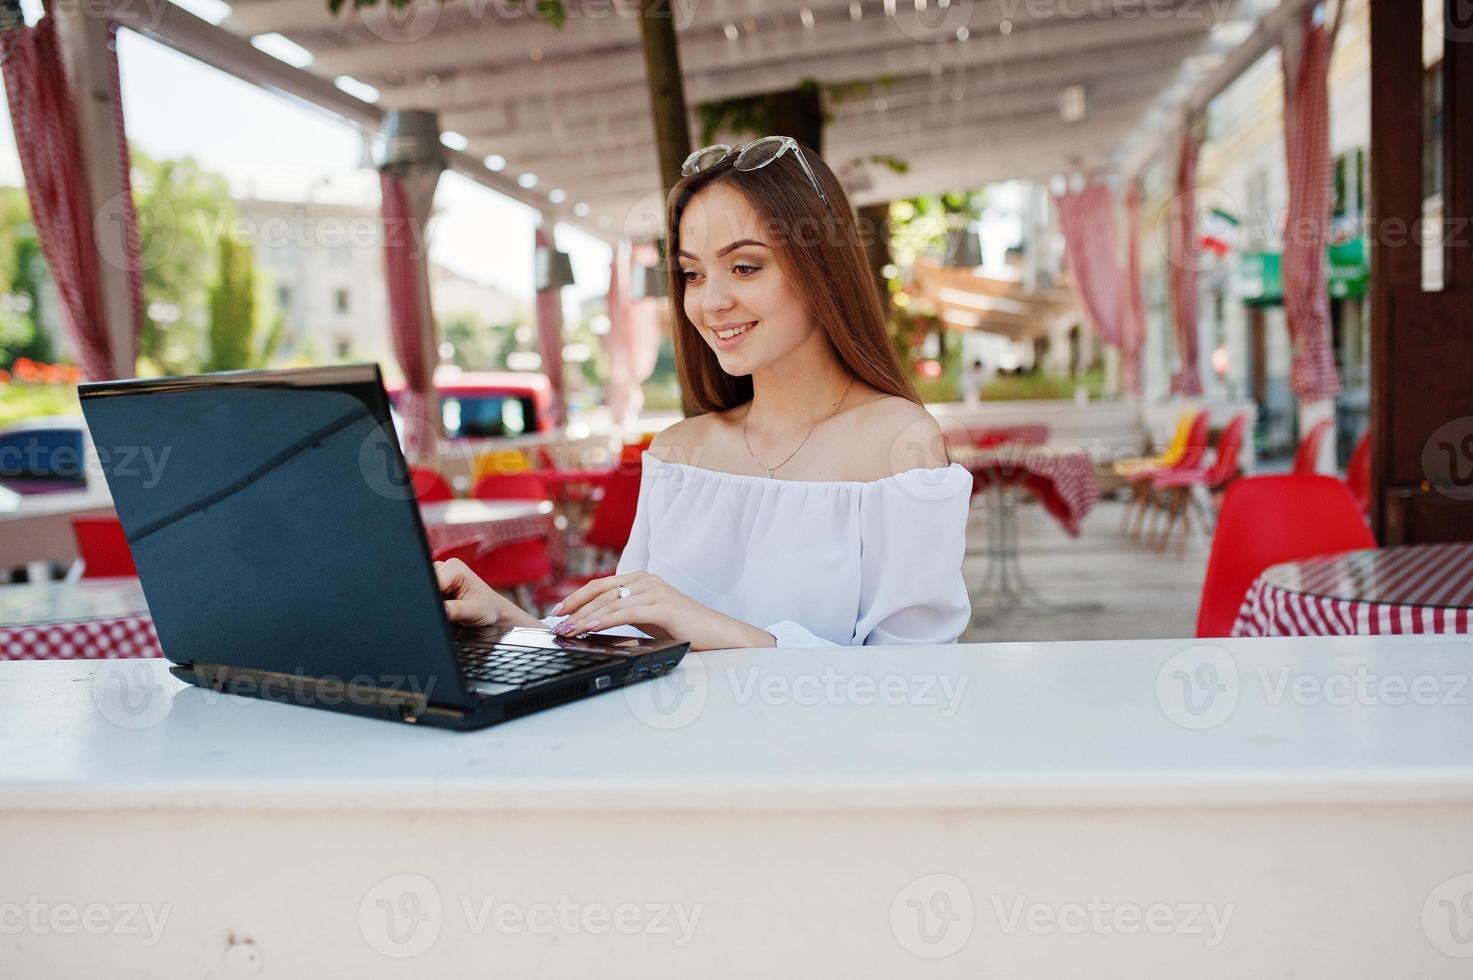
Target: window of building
[283,298]
[1432,123]
[341,300]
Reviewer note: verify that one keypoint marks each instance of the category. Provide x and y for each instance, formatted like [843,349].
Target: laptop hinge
[270,685]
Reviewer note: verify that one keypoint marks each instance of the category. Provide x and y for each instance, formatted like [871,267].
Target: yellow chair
[1168,456]
[501,461]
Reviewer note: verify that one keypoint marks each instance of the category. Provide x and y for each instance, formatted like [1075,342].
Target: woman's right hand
[470,601]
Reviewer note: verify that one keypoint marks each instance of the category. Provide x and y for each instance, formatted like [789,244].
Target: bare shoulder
[680,441]
[897,434]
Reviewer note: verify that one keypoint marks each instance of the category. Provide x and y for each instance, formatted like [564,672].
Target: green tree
[183,211]
[23,280]
[233,310]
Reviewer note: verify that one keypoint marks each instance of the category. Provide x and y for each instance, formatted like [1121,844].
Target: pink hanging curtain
[624,396]
[1087,219]
[409,310]
[549,310]
[634,336]
[48,142]
[1134,325]
[1306,65]
[1184,256]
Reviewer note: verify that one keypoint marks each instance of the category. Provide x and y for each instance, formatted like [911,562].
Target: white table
[38,527]
[1031,810]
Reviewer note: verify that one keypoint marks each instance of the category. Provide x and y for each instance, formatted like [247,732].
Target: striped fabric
[1087,219]
[1133,325]
[549,311]
[495,534]
[1184,252]
[409,311]
[48,141]
[1416,589]
[1063,481]
[1307,223]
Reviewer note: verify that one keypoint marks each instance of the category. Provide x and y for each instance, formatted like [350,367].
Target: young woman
[808,499]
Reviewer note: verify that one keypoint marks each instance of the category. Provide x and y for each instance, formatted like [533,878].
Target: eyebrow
[729,248]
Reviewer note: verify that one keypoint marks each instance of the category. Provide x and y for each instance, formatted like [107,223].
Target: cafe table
[102,617]
[1145,808]
[1406,589]
[1062,480]
[489,523]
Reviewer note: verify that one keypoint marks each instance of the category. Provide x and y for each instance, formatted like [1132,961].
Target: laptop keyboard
[504,664]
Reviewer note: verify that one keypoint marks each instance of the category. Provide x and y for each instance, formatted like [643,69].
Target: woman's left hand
[656,607]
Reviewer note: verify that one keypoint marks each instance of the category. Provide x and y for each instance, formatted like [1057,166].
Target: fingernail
[557,610]
[590,627]
[563,628]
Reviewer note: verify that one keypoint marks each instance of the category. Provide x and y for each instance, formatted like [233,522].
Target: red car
[491,404]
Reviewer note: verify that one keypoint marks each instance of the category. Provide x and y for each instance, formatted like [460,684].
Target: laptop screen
[273,526]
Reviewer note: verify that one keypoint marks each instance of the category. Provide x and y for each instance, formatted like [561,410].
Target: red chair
[429,486]
[1358,473]
[1307,456]
[510,486]
[1266,520]
[608,533]
[103,547]
[1176,489]
[1140,480]
[518,567]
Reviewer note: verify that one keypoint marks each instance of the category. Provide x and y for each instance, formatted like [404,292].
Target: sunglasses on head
[752,156]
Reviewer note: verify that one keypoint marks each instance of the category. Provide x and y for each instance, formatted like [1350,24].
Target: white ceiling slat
[1040,149]
[718,69]
[1027,117]
[517,128]
[613,16]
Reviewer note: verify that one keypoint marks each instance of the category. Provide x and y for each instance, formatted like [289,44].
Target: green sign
[1260,275]
[1350,270]
[1260,278]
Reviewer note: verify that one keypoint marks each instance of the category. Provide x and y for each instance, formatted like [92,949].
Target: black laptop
[280,549]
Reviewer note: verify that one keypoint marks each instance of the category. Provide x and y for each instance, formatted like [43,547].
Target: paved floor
[1145,593]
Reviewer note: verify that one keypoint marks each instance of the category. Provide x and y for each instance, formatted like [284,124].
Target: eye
[747,266]
[687,273]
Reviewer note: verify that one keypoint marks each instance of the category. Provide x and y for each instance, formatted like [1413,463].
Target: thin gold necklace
[773,469]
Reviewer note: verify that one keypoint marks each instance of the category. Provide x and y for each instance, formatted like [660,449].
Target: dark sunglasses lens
[709,157]
[761,153]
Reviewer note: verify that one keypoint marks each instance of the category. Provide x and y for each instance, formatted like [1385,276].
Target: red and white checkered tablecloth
[127,636]
[1413,589]
[490,534]
[1062,480]
[446,525]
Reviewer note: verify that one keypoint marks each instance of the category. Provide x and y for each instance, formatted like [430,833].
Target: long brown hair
[813,246]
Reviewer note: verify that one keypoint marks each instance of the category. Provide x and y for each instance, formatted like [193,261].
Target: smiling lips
[735,331]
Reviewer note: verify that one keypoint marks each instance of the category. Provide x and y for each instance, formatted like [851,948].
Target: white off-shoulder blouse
[834,563]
